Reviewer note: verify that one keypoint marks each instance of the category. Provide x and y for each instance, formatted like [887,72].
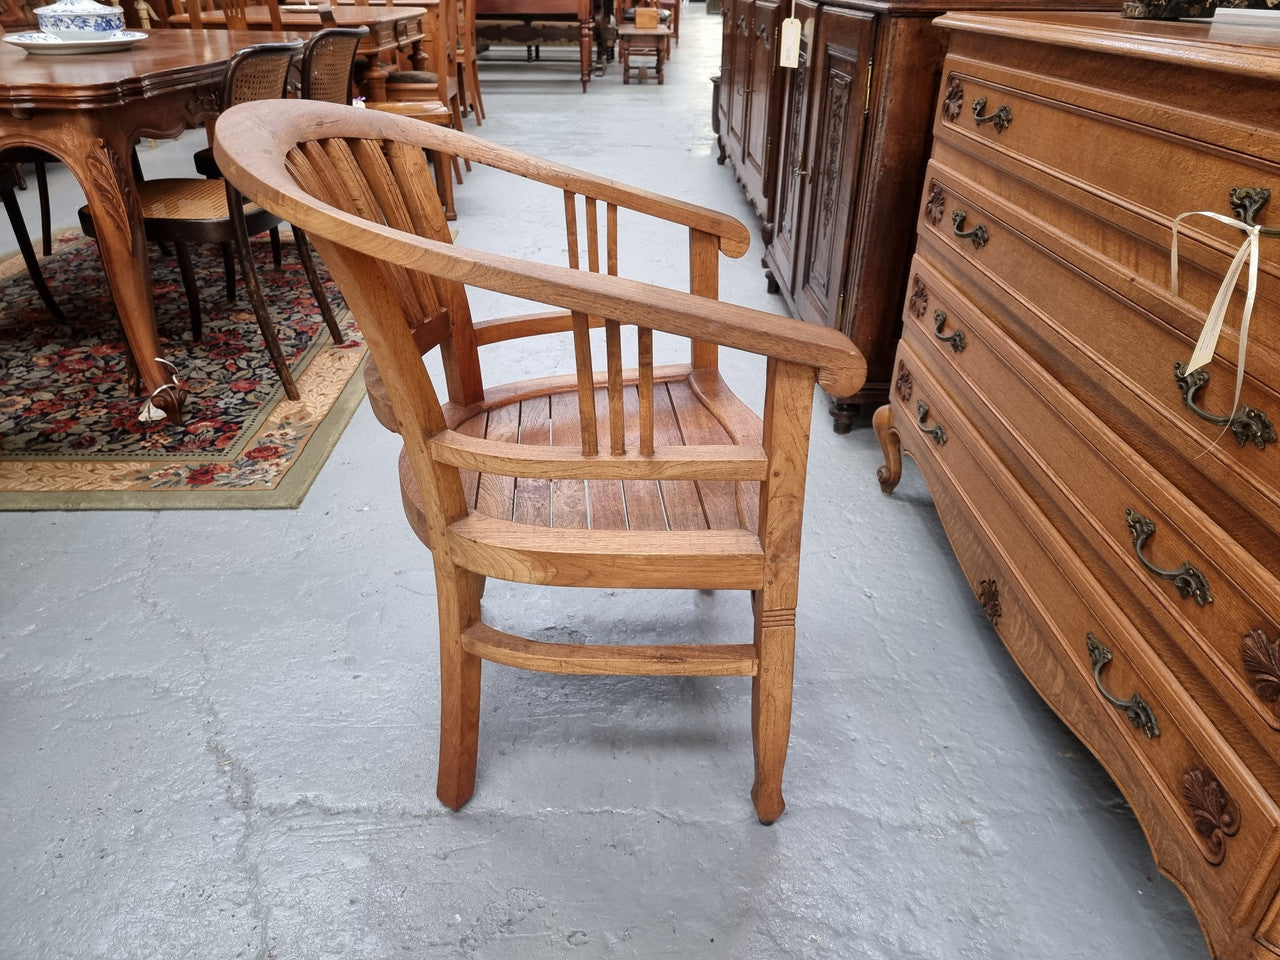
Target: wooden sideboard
[1118,521]
[831,154]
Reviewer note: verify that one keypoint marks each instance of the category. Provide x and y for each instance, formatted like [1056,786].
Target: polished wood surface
[391,28]
[620,474]
[1120,527]
[89,111]
[831,154]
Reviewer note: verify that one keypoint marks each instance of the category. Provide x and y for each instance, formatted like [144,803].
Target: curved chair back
[260,72]
[328,62]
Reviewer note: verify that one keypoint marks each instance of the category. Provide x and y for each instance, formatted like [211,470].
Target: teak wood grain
[617,474]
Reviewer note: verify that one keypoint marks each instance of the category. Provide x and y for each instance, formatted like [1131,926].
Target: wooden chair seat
[690,413]
[607,475]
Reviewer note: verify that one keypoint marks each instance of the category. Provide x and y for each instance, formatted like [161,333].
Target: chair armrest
[840,368]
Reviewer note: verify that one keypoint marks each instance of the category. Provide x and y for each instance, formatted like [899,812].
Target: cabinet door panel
[740,25]
[841,74]
[793,164]
[760,130]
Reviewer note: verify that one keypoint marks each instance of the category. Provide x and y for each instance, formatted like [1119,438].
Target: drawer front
[1122,245]
[1120,361]
[1211,825]
[1152,545]
[1097,152]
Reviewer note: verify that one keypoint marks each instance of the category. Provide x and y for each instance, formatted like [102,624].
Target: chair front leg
[771,688]
[458,593]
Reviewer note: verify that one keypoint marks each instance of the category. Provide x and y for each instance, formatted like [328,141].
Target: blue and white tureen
[80,20]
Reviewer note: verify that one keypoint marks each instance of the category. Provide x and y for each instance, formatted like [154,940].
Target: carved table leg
[103,173]
[890,443]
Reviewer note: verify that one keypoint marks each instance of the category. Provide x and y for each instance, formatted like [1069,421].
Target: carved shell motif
[953,102]
[1261,656]
[903,385]
[989,597]
[1213,813]
[936,206]
[919,301]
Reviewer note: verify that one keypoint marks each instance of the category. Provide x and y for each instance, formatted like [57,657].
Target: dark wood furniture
[648,477]
[89,111]
[530,23]
[1118,520]
[831,154]
[391,28]
[184,212]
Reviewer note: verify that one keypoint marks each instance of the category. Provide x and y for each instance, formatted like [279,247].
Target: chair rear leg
[771,687]
[183,253]
[46,215]
[260,309]
[459,599]
[29,255]
[317,288]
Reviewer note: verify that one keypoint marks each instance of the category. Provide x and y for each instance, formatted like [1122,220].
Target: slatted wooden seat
[633,475]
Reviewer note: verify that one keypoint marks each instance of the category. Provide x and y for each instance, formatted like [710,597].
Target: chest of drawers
[1118,519]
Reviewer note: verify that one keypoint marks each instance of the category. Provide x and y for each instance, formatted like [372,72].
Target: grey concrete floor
[218,729]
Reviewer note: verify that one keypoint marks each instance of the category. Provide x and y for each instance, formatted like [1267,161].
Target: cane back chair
[654,477]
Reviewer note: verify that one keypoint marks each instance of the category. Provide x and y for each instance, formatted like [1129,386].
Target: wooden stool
[645,41]
[428,111]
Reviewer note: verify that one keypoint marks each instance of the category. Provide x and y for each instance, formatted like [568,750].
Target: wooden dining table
[391,29]
[89,111]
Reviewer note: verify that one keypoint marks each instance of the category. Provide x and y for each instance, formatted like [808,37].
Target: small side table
[644,41]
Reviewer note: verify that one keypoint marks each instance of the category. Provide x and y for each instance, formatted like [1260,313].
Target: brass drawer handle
[937,431]
[1000,119]
[978,235]
[956,340]
[1189,581]
[1247,202]
[1135,708]
[1248,425]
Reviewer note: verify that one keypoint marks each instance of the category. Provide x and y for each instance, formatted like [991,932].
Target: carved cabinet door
[839,80]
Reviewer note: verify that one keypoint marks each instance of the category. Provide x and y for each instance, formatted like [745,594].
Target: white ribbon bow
[1208,342]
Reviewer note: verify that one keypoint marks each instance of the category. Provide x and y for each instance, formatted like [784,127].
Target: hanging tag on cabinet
[789,43]
[789,40]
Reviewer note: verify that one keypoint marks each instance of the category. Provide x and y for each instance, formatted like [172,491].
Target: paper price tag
[789,46]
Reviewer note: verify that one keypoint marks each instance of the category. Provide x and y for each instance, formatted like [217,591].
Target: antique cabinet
[1117,518]
[750,108]
[831,154]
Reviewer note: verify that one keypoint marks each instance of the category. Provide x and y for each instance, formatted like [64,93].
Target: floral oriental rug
[70,437]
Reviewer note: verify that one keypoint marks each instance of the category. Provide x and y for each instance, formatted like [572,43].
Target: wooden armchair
[647,476]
